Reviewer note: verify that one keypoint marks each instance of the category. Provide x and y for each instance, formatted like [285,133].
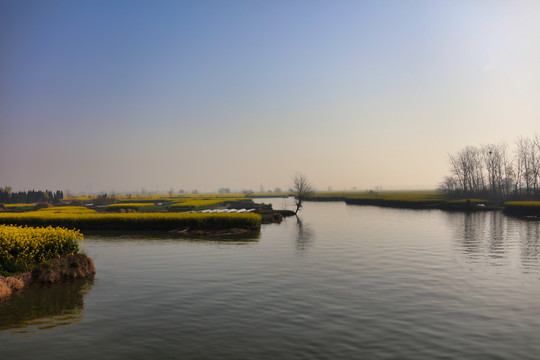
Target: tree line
[7,196]
[495,172]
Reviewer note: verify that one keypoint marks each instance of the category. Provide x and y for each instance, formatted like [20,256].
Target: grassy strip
[66,210]
[417,200]
[406,199]
[397,202]
[22,247]
[134,206]
[138,198]
[522,208]
[195,204]
[19,207]
[135,221]
[336,195]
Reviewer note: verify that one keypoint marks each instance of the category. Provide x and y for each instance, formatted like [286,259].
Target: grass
[162,202]
[19,207]
[67,210]
[413,199]
[195,204]
[23,247]
[524,204]
[156,198]
[133,206]
[269,194]
[420,199]
[522,208]
[463,202]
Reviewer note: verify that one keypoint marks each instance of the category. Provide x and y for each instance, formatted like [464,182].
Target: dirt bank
[65,268]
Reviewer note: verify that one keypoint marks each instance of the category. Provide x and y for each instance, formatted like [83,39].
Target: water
[345,282]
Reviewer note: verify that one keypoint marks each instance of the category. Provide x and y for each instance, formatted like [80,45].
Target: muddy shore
[55,271]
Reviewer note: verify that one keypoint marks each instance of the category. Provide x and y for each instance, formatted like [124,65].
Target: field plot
[88,220]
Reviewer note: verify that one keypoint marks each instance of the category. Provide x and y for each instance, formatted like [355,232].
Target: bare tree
[490,171]
[449,185]
[301,190]
[527,164]
[467,167]
[497,166]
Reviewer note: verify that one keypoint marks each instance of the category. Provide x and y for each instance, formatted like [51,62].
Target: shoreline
[435,204]
[55,271]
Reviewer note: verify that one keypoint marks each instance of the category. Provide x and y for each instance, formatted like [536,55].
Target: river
[341,282]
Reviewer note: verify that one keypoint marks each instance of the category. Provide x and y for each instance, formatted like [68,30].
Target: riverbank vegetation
[128,206]
[399,199]
[90,220]
[522,208]
[209,203]
[40,255]
[22,247]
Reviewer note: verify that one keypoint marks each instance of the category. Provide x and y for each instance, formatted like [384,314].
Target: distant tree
[277,190]
[301,190]
[498,169]
[449,185]
[491,171]
[467,167]
[224,191]
[195,191]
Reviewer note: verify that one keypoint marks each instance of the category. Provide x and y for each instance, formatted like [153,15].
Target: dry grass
[5,289]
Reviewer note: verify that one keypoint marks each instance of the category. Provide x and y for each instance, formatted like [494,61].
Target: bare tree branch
[302,190]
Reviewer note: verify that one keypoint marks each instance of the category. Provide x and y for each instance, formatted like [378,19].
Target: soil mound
[42,205]
[59,270]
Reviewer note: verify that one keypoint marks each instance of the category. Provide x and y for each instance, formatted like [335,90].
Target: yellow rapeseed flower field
[67,210]
[133,221]
[21,247]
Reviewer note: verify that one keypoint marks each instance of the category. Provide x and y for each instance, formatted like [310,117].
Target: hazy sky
[123,95]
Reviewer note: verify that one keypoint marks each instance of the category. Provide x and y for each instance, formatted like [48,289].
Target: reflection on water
[41,308]
[341,282]
[529,235]
[123,236]
[304,237]
[496,239]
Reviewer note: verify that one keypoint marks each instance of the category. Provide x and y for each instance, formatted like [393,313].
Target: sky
[125,96]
